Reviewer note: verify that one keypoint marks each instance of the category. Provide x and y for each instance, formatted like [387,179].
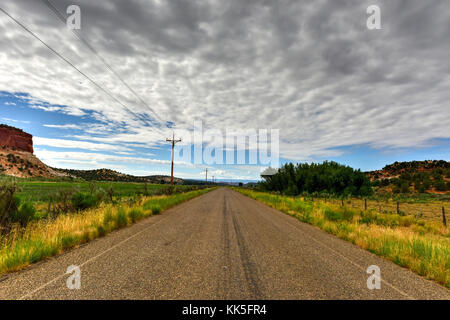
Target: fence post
[365,204]
[342,201]
[419,213]
[444,221]
[398,207]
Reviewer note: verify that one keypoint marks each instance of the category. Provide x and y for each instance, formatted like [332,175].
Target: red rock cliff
[15,138]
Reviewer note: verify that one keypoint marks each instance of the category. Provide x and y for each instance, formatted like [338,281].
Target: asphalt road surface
[221,245]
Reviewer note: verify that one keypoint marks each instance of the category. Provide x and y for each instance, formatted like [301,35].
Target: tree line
[328,177]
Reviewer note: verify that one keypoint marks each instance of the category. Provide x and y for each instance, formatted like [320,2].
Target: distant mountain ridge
[111,175]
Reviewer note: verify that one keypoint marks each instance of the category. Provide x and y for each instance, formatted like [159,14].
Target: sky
[334,89]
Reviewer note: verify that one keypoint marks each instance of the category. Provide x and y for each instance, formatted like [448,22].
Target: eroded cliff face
[17,158]
[15,139]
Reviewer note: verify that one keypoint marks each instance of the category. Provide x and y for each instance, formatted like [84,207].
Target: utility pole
[173,141]
[206,176]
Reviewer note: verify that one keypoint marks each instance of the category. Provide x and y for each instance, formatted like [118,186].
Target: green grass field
[38,199]
[41,191]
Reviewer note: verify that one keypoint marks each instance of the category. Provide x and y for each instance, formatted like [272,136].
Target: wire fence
[433,210]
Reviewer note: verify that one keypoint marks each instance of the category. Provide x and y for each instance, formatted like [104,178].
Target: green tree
[327,177]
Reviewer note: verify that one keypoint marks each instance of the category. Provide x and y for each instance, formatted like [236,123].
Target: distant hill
[432,176]
[111,175]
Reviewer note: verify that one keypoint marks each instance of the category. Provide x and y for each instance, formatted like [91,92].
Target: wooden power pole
[206,179]
[173,141]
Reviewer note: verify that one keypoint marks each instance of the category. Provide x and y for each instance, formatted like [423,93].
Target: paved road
[221,245]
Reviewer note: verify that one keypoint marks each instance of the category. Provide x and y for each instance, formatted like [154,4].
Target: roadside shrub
[155,208]
[101,230]
[369,217]
[61,202]
[388,220]
[406,221]
[82,201]
[135,214]
[110,193]
[331,215]
[24,214]
[100,195]
[9,202]
[338,214]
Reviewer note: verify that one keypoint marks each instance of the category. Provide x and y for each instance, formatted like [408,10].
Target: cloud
[76,144]
[13,120]
[99,159]
[312,70]
[63,126]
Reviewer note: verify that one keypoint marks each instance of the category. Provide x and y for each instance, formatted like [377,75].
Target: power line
[63,19]
[68,62]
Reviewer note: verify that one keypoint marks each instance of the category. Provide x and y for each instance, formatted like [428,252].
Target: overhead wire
[70,63]
[63,19]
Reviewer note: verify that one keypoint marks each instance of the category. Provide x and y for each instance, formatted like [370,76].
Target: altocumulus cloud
[311,69]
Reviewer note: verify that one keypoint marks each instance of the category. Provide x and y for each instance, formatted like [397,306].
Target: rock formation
[15,139]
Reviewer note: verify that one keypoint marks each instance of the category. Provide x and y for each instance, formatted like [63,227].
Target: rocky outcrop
[14,138]
[17,158]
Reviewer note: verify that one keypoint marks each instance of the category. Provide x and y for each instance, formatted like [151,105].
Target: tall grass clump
[135,214]
[121,218]
[341,214]
[154,208]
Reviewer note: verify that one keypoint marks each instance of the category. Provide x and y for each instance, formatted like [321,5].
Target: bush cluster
[12,210]
[327,177]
